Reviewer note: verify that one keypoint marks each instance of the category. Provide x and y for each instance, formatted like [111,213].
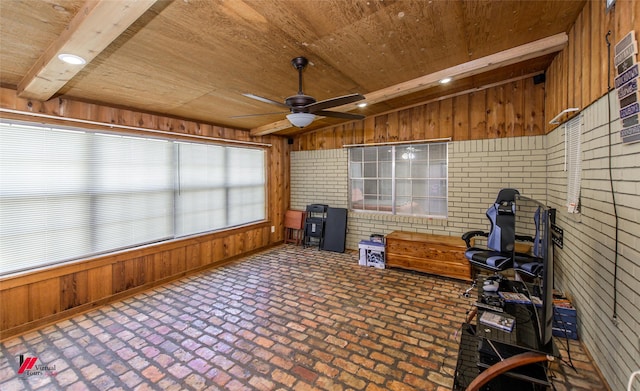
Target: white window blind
[573,159]
[68,194]
[246,178]
[201,197]
[132,191]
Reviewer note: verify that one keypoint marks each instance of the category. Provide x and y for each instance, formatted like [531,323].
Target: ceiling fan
[305,108]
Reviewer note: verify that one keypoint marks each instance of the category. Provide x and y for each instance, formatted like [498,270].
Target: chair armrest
[471,234]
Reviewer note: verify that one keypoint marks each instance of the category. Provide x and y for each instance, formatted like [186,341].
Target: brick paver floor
[284,319]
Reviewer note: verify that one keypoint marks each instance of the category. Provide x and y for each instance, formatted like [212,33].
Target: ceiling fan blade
[266,100]
[336,114]
[333,102]
[257,115]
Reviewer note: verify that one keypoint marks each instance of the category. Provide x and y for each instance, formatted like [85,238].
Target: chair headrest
[507,195]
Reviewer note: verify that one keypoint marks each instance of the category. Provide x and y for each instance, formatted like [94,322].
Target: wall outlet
[273,228]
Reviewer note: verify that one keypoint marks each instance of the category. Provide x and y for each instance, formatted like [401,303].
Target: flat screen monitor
[533,221]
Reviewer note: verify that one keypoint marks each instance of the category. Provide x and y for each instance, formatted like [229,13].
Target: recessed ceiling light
[363,104]
[72,59]
[445,80]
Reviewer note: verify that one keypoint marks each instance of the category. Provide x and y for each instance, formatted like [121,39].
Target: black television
[533,226]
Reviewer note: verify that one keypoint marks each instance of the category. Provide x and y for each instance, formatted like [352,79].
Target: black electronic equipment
[335,230]
[492,299]
[533,221]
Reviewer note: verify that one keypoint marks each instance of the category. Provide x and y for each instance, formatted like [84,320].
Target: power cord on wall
[613,194]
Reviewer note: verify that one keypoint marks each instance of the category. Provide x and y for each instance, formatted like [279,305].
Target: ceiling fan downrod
[298,102]
[300,63]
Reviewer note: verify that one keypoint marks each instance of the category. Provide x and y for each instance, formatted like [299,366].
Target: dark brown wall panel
[496,112]
[478,115]
[44,298]
[393,123]
[513,105]
[14,307]
[74,290]
[533,108]
[404,125]
[431,121]
[99,283]
[418,128]
[461,129]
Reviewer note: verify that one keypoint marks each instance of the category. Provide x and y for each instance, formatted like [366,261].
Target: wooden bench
[435,254]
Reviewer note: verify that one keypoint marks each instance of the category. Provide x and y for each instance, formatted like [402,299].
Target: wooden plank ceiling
[195,58]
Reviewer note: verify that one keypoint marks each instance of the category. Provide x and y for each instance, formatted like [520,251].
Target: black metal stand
[314,223]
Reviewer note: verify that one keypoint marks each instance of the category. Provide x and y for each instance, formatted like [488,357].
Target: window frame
[387,200]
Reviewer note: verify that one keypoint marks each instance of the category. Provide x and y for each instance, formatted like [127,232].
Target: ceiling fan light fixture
[301,119]
[72,59]
[445,80]
[363,104]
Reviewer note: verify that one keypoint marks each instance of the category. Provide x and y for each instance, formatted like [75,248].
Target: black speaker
[537,79]
[335,230]
[290,141]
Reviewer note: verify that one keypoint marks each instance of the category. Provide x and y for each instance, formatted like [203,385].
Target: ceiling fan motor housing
[297,102]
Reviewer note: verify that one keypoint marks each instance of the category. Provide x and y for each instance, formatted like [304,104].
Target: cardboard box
[371,254]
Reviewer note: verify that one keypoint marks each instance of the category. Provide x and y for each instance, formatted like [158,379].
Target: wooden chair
[294,226]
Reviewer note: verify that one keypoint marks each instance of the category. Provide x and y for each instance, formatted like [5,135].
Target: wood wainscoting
[34,299]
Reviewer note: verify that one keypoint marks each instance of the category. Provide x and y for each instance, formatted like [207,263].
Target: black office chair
[498,256]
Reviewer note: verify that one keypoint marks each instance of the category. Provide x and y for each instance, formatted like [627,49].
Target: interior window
[400,179]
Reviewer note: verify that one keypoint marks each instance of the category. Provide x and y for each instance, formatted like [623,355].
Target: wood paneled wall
[33,299]
[511,109]
[577,77]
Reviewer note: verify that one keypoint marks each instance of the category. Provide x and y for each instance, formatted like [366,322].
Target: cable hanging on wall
[613,193]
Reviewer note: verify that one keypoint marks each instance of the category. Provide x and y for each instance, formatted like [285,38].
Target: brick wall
[478,169]
[585,266]
[319,177]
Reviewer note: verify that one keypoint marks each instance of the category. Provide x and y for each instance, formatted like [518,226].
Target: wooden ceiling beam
[271,128]
[528,51]
[95,26]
